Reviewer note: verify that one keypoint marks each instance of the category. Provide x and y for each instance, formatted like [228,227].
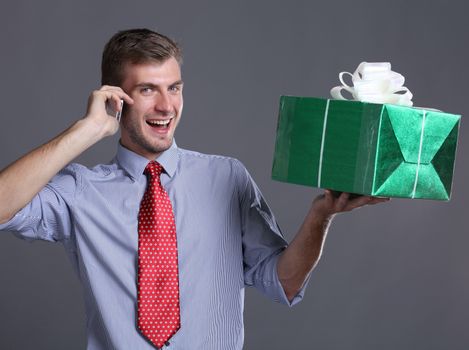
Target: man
[182,285]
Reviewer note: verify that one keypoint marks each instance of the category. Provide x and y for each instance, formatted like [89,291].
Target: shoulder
[211,162]
[77,170]
[76,175]
[80,170]
[218,168]
[189,154]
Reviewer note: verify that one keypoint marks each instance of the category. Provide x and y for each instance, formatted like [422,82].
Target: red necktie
[158,284]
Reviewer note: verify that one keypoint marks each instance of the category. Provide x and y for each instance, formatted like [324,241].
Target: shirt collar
[134,164]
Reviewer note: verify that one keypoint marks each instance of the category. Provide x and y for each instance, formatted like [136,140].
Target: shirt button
[167,343]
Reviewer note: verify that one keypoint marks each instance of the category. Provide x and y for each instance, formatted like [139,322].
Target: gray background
[393,276]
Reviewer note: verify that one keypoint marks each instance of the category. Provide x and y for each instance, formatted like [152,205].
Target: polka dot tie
[158,284]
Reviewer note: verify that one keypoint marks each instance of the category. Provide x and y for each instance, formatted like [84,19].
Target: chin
[160,146]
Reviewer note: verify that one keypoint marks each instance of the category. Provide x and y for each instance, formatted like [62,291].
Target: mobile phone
[112,111]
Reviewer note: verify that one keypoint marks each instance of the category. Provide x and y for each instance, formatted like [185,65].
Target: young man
[163,249]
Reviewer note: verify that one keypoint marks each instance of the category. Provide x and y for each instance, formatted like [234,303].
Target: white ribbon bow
[374,82]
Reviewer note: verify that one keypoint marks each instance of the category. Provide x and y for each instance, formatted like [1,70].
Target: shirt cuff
[23,224]
[272,287]
[298,297]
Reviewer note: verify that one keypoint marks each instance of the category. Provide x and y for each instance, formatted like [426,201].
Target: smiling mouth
[160,124]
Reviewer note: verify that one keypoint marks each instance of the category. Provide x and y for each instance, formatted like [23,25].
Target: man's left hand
[328,204]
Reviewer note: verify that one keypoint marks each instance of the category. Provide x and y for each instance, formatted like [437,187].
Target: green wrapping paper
[365,148]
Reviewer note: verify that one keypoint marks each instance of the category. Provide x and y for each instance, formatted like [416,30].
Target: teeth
[159,122]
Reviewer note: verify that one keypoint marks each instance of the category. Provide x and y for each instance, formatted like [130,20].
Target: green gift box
[365,148]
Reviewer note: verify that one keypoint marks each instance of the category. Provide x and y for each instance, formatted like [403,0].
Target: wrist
[319,218]
[80,136]
[89,130]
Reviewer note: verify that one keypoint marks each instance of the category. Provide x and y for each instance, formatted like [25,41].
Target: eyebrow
[151,85]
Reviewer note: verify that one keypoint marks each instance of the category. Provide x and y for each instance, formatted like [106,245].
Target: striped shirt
[227,239]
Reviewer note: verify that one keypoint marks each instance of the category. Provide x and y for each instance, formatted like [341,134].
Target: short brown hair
[135,46]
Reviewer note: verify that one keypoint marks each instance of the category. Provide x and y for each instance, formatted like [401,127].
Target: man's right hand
[96,112]
[24,178]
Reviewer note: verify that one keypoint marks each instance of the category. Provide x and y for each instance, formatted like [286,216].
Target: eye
[146,91]
[175,88]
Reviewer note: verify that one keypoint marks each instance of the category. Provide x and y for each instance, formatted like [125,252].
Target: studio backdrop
[393,276]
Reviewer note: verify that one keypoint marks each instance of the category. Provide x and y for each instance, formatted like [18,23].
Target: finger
[116,102]
[377,200]
[342,201]
[329,197]
[358,202]
[117,90]
[113,101]
[320,197]
[106,101]
[123,96]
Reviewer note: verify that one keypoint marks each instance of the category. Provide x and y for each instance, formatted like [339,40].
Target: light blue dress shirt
[227,238]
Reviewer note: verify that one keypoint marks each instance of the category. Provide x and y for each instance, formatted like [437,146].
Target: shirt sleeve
[263,243]
[47,216]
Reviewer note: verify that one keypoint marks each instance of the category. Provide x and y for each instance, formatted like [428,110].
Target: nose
[163,104]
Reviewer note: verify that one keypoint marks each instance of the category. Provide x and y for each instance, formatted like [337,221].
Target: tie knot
[153,169]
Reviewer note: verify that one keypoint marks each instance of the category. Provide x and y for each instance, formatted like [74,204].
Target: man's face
[148,125]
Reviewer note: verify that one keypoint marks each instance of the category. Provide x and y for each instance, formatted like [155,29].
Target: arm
[23,179]
[301,256]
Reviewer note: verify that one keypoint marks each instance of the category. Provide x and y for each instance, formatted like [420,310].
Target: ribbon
[374,82]
[420,154]
[324,125]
